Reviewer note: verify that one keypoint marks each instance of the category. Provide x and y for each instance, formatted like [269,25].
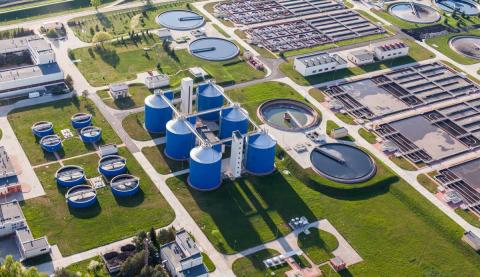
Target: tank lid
[205,154]
[179,126]
[155,101]
[234,114]
[210,90]
[262,141]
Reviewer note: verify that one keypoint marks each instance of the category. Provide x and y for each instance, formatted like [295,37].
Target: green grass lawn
[82,267]
[59,113]
[121,22]
[318,245]
[220,30]
[252,265]
[160,162]
[417,53]
[208,263]
[385,216]
[441,43]
[138,93]
[469,217]
[331,125]
[120,62]
[346,118]
[317,94]
[133,124]
[427,182]
[368,136]
[403,163]
[112,219]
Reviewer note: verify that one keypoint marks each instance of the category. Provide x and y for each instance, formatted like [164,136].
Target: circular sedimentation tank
[468,46]
[82,196]
[181,20]
[70,175]
[81,120]
[209,97]
[414,12]
[157,114]
[233,119]
[91,134]
[179,139]
[468,7]
[51,143]
[214,49]
[342,163]
[112,165]
[205,168]
[125,185]
[42,129]
[260,156]
[288,115]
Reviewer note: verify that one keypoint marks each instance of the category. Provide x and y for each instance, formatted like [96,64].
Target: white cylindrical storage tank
[157,113]
[205,168]
[179,139]
[260,154]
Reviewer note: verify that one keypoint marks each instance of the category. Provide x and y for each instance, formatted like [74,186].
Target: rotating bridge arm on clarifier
[202,50]
[330,156]
[414,9]
[190,18]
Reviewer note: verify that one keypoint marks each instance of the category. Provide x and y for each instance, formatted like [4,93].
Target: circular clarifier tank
[342,163]
[70,175]
[468,7]
[51,143]
[214,49]
[468,46]
[42,128]
[125,185]
[288,115]
[91,134]
[414,12]
[81,120]
[181,20]
[112,165]
[82,196]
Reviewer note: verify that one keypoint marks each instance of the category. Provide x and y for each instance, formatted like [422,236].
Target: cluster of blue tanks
[205,160]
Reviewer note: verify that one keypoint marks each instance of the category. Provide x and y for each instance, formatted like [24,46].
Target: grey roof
[183,248]
[28,242]
[6,167]
[29,72]
[472,238]
[362,54]
[10,211]
[118,87]
[320,58]
[390,45]
[35,41]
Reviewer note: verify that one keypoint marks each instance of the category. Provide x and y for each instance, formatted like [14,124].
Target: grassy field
[133,124]
[441,43]
[403,163]
[368,136]
[252,265]
[317,94]
[469,217]
[208,263]
[427,182]
[112,219]
[346,118]
[59,114]
[120,23]
[160,162]
[318,245]
[252,210]
[82,267]
[417,53]
[120,62]
[138,93]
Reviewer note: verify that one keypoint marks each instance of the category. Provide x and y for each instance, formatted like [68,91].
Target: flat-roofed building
[12,222]
[182,258]
[318,63]
[390,50]
[361,57]
[472,239]
[155,80]
[119,90]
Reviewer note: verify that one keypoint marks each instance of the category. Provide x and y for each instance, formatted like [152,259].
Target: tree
[153,236]
[10,267]
[166,235]
[133,265]
[69,81]
[95,3]
[101,37]
[139,241]
[51,33]
[63,272]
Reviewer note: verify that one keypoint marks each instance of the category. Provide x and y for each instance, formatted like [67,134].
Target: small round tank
[91,134]
[124,185]
[70,175]
[81,197]
[260,154]
[81,120]
[112,165]
[42,129]
[51,143]
[157,114]
[233,119]
[179,139]
[209,97]
[205,168]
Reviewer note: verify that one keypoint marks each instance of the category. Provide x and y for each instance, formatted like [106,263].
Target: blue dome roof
[178,126]
[262,141]
[210,90]
[156,102]
[205,155]
[235,114]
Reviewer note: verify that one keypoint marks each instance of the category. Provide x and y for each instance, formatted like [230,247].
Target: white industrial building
[182,258]
[42,71]
[154,80]
[361,57]
[12,222]
[390,50]
[318,63]
[119,90]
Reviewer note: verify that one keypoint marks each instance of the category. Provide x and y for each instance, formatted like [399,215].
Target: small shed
[198,72]
[338,264]
[338,133]
[119,90]
[361,57]
[472,239]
